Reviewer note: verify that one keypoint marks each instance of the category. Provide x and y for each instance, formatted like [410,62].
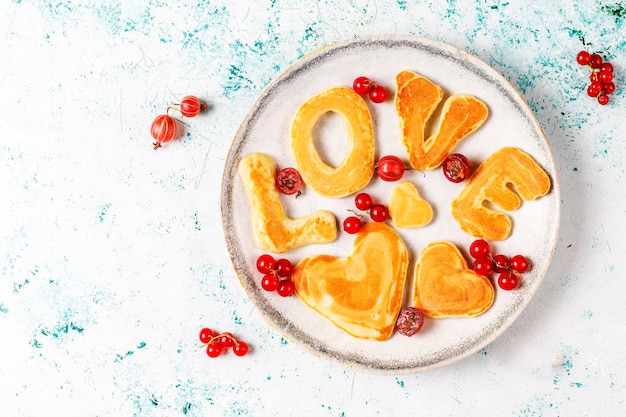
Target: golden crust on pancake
[491,182]
[362,293]
[357,168]
[273,230]
[416,100]
[444,286]
[407,208]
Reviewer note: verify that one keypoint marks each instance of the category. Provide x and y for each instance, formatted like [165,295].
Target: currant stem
[157,145]
[231,337]
[358,215]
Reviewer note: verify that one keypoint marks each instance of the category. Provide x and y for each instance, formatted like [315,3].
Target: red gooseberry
[288,181]
[456,167]
[191,106]
[163,129]
[390,168]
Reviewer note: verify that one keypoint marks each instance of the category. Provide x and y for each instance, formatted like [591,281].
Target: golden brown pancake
[494,181]
[416,101]
[407,208]
[273,230]
[445,287]
[360,294]
[357,167]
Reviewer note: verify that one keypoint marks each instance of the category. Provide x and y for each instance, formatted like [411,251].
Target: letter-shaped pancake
[445,287]
[357,167]
[272,229]
[416,101]
[491,182]
[360,294]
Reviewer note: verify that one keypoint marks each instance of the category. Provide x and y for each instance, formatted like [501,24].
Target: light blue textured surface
[111,254]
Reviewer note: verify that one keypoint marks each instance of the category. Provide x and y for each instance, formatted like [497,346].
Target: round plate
[266,129]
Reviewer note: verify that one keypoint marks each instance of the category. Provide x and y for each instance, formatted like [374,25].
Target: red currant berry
[378,213]
[456,167]
[163,129]
[501,263]
[390,168]
[214,350]
[270,282]
[285,288]
[583,58]
[363,201]
[479,248]
[508,281]
[595,60]
[603,99]
[594,89]
[520,263]
[606,66]
[191,106]
[608,88]
[362,85]
[410,321]
[605,76]
[226,340]
[288,181]
[283,267]
[483,266]
[206,335]
[593,77]
[352,225]
[240,348]
[378,94]
[265,263]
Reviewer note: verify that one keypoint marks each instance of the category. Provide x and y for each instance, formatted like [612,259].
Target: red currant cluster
[216,344]
[456,167]
[289,181]
[364,202]
[363,85]
[510,269]
[409,321]
[601,78]
[163,127]
[275,275]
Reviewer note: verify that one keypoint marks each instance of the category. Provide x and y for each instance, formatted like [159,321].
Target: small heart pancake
[445,287]
[360,294]
[407,208]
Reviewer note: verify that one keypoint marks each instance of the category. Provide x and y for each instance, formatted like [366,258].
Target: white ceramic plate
[510,123]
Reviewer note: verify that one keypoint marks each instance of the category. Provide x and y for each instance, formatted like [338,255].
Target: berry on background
[217,344]
[601,77]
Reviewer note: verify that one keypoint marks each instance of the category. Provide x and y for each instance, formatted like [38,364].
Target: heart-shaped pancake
[362,293]
[444,286]
[407,208]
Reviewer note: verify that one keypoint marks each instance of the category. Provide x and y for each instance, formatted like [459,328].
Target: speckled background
[112,255]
